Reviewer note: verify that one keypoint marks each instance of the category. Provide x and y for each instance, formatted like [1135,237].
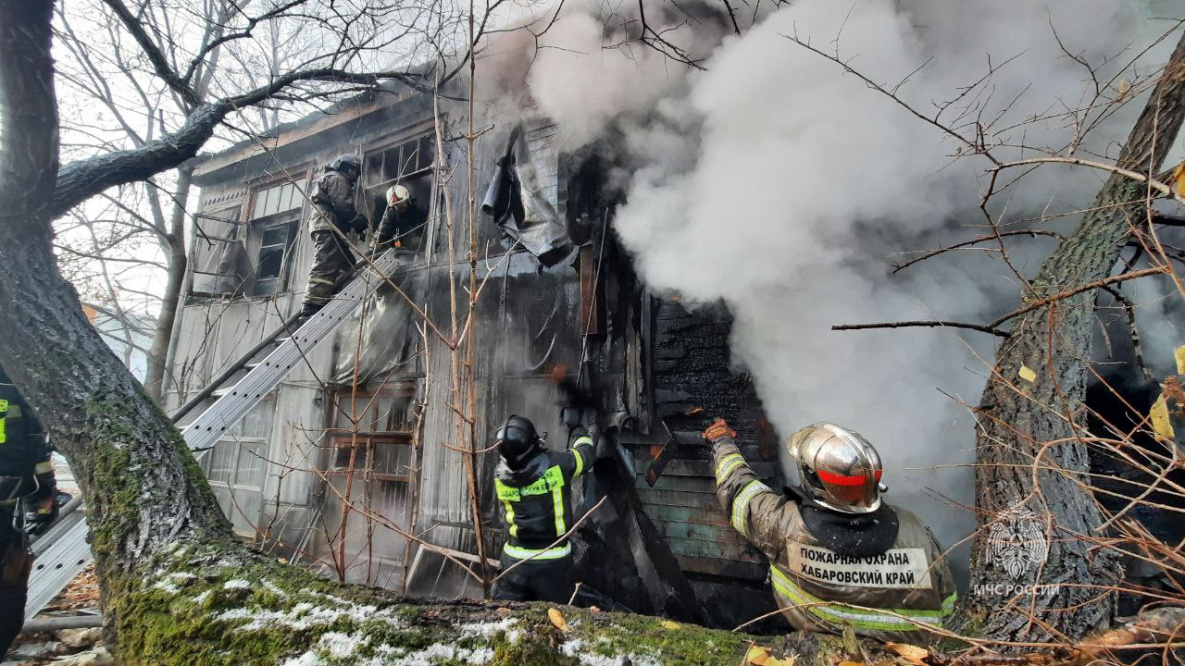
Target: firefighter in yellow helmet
[839,556]
[403,222]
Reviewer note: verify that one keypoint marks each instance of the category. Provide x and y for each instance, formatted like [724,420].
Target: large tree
[1032,442]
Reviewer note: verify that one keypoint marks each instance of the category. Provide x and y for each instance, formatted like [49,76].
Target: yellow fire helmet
[397,193]
[837,468]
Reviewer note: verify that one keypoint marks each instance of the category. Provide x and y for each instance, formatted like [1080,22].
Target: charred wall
[692,383]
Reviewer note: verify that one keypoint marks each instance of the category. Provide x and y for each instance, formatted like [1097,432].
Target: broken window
[220,264]
[408,163]
[272,234]
[374,429]
[237,467]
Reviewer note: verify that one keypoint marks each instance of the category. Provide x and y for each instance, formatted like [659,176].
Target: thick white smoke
[785,187]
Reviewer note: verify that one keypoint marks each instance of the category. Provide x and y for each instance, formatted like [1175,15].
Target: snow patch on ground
[335,645]
[306,659]
[578,649]
[172,582]
[339,645]
[487,630]
[306,614]
[434,653]
[274,589]
[201,598]
[237,584]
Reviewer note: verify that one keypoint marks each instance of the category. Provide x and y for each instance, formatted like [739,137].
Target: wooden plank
[590,321]
[722,551]
[701,468]
[715,534]
[691,484]
[678,498]
[755,571]
[682,514]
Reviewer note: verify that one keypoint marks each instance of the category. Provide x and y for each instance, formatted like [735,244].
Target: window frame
[366,442]
[256,228]
[373,202]
[233,484]
[282,279]
[216,243]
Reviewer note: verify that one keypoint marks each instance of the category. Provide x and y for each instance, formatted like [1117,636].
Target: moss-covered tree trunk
[1030,418]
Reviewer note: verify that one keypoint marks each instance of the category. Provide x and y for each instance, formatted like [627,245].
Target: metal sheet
[60,555]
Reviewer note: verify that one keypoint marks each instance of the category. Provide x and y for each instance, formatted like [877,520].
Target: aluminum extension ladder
[63,552]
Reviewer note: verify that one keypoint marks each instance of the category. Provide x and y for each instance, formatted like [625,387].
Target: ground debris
[82,592]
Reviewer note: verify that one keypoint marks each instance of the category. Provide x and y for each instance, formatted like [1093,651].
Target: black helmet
[346,161]
[517,441]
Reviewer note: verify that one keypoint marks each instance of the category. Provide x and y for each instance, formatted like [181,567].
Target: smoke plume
[777,182]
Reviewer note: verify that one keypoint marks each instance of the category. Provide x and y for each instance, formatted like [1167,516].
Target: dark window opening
[271,236]
[408,163]
[274,249]
[389,165]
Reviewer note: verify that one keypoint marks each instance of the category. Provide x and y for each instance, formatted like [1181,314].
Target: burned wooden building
[357,447]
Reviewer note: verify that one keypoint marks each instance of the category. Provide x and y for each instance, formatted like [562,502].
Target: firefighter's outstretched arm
[753,508]
[582,452]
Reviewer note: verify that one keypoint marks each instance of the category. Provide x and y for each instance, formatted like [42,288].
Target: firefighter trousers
[537,580]
[16,560]
[332,257]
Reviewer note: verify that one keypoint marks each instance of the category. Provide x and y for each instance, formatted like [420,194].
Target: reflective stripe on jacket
[24,451]
[890,596]
[537,500]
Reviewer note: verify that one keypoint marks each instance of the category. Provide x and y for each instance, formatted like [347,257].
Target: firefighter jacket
[333,197]
[891,590]
[537,499]
[406,227]
[25,469]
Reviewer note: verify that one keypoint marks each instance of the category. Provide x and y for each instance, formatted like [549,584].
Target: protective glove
[573,417]
[360,224]
[718,430]
[40,514]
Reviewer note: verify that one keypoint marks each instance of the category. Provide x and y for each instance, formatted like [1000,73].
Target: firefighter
[839,556]
[27,503]
[403,222]
[534,486]
[333,198]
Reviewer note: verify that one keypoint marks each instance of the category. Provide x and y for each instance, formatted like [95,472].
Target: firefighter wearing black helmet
[27,506]
[333,201]
[534,486]
[839,556]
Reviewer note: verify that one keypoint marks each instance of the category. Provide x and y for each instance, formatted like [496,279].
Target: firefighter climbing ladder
[63,552]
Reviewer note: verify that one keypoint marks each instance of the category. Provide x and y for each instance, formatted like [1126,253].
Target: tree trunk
[171,300]
[1032,494]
